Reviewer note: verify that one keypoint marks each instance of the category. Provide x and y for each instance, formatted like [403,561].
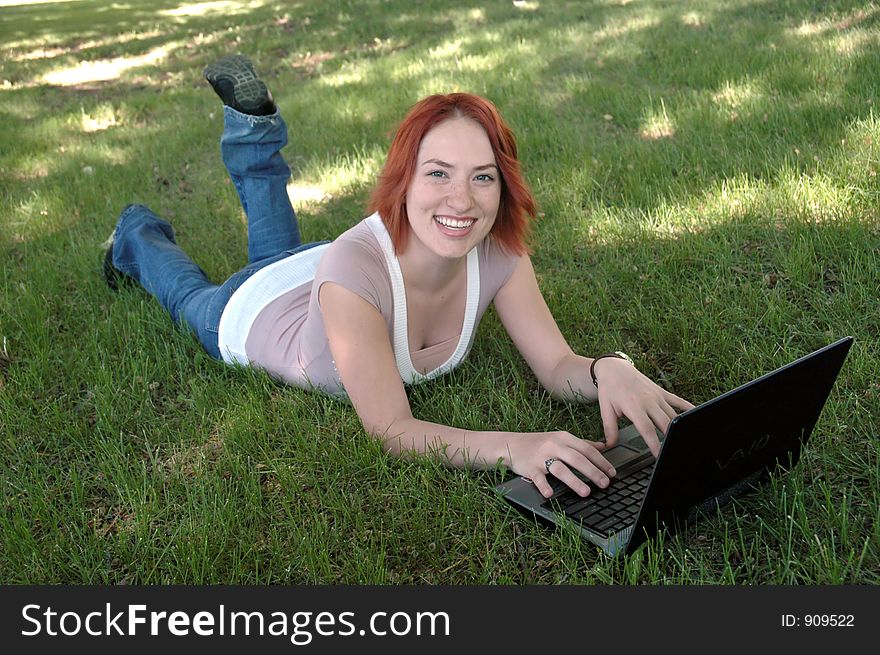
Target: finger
[564,474]
[609,423]
[594,469]
[661,417]
[588,450]
[668,410]
[679,403]
[648,432]
[540,481]
[582,445]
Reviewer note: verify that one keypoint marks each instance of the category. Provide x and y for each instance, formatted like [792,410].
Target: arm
[622,389]
[359,341]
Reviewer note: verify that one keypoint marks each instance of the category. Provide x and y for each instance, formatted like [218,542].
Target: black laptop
[710,454]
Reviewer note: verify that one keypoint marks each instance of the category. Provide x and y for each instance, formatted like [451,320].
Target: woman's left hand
[625,392]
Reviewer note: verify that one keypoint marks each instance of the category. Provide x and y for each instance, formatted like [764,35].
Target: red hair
[511,226]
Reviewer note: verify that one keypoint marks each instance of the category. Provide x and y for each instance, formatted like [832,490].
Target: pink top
[285,332]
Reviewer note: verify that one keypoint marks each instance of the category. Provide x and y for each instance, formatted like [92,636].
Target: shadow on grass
[632,121]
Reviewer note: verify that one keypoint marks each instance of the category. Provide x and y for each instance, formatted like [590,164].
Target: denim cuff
[236,116]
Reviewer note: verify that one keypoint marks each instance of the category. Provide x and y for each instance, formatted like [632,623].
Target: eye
[437,174]
[484,177]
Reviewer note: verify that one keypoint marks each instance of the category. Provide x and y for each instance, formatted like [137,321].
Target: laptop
[709,455]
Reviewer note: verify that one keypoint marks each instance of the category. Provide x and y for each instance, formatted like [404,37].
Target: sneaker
[112,275]
[234,80]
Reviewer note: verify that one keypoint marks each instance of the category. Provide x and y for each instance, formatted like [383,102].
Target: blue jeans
[145,249]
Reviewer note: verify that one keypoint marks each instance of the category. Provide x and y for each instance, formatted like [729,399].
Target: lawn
[707,174]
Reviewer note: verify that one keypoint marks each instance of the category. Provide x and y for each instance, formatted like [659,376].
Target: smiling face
[453,198]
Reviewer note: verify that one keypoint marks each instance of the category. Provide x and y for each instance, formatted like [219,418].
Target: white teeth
[454,223]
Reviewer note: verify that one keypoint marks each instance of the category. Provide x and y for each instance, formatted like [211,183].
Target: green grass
[708,181]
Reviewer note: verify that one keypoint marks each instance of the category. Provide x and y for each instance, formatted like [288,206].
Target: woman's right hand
[358,338]
[529,452]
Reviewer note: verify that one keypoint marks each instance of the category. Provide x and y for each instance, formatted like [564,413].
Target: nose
[460,198]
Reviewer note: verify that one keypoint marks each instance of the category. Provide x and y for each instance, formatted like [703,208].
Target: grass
[708,180]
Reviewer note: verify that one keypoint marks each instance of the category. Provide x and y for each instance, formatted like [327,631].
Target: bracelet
[616,354]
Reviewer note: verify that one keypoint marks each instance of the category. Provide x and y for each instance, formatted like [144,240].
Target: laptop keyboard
[605,511]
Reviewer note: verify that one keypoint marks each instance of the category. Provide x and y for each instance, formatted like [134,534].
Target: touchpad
[629,436]
[620,455]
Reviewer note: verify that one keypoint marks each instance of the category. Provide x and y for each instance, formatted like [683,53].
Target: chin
[458,249]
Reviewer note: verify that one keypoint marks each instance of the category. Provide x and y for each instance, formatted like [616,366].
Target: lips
[454,227]
[455,223]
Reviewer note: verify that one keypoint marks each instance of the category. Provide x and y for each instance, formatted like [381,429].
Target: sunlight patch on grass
[814,198]
[526,5]
[459,64]
[107,154]
[307,195]
[351,171]
[439,85]
[621,28]
[657,126]
[342,78]
[859,153]
[477,16]
[693,19]
[46,51]
[23,3]
[27,214]
[448,49]
[808,28]
[103,118]
[322,181]
[104,70]
[225,7]
[733,95]
[854,42]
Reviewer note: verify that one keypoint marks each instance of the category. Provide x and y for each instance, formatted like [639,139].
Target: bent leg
[251,152]
[144,248]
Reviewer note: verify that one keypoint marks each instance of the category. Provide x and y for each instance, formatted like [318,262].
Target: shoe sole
[249,91]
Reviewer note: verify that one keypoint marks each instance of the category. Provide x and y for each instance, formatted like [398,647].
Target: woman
[397,298]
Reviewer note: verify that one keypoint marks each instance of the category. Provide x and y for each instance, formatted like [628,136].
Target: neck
[425,272]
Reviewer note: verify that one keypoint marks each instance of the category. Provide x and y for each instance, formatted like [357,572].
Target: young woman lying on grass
[397,298]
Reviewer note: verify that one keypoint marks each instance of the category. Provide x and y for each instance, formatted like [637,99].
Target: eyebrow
[443,164]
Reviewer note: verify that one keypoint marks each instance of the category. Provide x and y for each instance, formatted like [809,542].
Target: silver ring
[548,463]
